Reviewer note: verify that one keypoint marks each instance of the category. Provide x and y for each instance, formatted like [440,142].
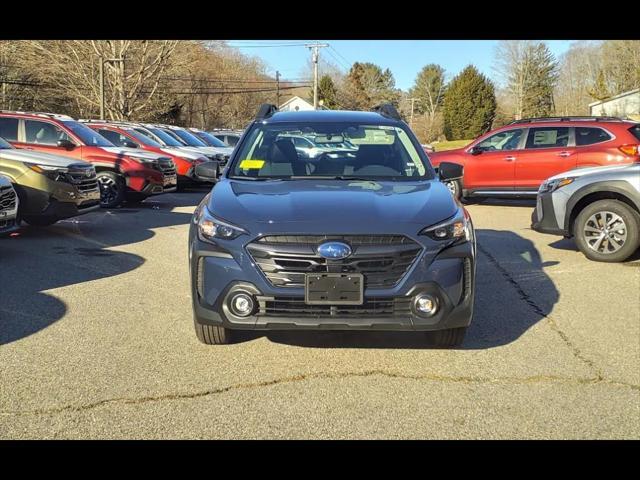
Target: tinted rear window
[635,131]
[590,135]
[9,129]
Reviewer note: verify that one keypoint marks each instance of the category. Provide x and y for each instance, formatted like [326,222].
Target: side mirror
[66,144]
[208,171]
[450,171]
[475,151]
[130,144]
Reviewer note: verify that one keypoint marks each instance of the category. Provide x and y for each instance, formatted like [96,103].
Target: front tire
[212,334]
[112,189]
[607,231]
[448,338]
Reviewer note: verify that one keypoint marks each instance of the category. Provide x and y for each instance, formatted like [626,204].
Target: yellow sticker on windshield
[251,164]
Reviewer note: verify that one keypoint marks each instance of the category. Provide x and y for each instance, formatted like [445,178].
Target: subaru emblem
[334,250]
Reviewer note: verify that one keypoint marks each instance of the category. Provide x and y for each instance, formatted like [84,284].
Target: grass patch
[442,146]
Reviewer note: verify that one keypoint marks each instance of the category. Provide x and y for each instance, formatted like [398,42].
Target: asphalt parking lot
[97,341]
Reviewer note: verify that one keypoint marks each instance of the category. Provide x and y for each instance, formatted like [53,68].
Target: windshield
[4,144]
[142,138]
[87,135]
[349,150]
[211,140]
[188,138]
[167,139]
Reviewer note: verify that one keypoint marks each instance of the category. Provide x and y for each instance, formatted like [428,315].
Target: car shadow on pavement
[513,293]
[70,252]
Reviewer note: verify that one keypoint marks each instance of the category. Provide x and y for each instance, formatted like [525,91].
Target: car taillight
[630,150]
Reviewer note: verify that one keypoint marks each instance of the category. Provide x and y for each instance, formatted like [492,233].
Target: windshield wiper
[330,177]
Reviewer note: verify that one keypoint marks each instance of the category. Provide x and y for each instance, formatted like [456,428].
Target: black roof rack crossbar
[567,119]
[387,110]
[266,110]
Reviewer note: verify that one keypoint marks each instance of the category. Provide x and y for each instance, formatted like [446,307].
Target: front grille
[83,177]
[382,259]
[7,198]
[166,166]
[296,307]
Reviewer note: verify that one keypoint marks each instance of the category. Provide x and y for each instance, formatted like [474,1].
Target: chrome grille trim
[383,259]
[8,198]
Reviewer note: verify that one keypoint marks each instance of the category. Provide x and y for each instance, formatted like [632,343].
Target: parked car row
[59,167]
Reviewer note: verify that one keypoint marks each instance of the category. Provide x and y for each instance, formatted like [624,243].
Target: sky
[404,58]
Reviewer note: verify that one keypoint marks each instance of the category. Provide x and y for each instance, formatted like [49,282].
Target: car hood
[216,150]
[40,158]
[133,152]
[580,172]
[325,205]
[179,152]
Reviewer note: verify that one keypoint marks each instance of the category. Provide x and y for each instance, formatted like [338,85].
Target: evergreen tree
[541,81]
[327,92]
[469,105]
[368,85]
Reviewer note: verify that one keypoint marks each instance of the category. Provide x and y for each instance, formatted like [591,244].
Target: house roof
[295,97]
[620,95]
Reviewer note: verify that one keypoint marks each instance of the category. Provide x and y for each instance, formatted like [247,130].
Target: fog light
[241,305]
[426,305]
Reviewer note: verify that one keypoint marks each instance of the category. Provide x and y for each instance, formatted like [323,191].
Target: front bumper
[543,217]
[56,200]
[449,276]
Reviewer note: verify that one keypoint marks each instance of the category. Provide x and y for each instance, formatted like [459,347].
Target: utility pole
[102,62]
[277,89]
[314,58]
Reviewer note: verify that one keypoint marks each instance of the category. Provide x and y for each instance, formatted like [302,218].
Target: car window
[377,152]
[589,135]
[548,137]
[9,128]
[143,138]
[507,140]
[44,133]
[635,131]
[114,137]
[87,135]
[210,139]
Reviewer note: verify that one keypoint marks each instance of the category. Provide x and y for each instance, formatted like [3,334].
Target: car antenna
[387,110]
[266,110]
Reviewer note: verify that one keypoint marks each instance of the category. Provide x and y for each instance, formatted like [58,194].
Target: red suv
[515,159]
[125,135]
[122,173]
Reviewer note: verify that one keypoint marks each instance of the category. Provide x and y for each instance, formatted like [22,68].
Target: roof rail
[567,119]
[387,110]
[266,110]
[39,114]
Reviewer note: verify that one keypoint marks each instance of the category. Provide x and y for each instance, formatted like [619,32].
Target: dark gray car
[365,239]
[599,207]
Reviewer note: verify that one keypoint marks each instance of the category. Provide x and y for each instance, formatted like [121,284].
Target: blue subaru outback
[360,235]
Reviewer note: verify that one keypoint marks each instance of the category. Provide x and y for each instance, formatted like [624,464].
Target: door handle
[510,158]
[564,154]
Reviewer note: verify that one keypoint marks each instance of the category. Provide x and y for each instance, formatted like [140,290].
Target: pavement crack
[525,297]
[319,375]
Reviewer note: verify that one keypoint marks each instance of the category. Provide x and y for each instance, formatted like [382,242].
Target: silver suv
[599,207]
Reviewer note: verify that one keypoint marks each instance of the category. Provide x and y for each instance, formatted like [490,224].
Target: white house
[295,104]
[626,104]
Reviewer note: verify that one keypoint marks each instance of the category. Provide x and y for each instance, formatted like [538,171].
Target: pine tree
[540,83]
[469,105]
[327,92]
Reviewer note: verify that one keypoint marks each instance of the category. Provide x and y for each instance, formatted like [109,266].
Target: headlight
[553,185]
[457,227]
[210,228]
[51,171]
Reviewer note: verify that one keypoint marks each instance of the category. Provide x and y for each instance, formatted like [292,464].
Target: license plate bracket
[334,289]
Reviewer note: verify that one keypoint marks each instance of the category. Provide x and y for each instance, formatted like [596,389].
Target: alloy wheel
[605,232]
[108,190]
